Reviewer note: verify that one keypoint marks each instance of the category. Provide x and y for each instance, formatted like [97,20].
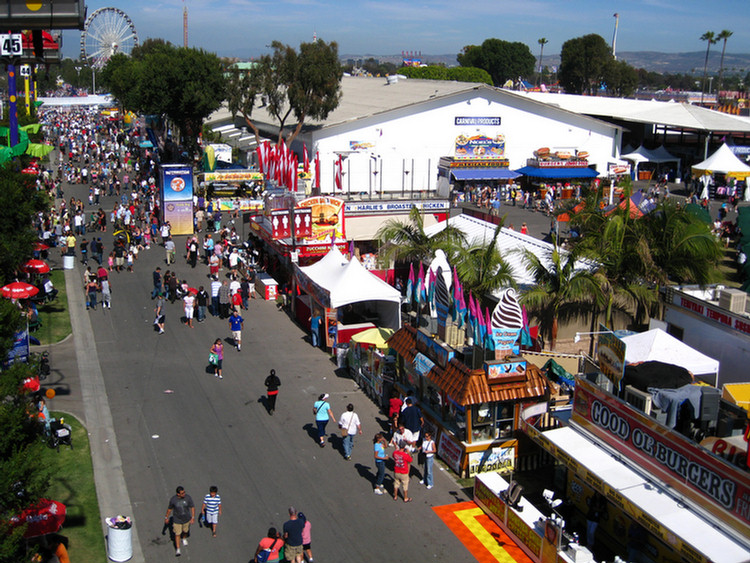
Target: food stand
[342,293]
[371,364]
[472,413]
[549,166]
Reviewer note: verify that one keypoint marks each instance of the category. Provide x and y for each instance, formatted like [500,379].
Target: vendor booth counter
[541,537]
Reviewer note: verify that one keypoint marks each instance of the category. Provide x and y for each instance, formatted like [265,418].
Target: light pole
[542,42]
[78,71]
[614,37]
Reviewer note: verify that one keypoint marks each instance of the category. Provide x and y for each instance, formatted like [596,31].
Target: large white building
[391,135]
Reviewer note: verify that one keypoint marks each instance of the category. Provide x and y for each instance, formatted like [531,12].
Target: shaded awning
[558,173]
[484,174]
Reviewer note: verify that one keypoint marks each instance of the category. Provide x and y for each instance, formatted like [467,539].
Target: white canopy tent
[339,282]
[658,156]
[657,345]
[723,161]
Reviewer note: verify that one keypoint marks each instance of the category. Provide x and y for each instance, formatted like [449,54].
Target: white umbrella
[705,180]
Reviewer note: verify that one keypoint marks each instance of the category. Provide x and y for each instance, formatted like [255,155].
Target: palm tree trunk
[705,70]
[553,340]
[721,69]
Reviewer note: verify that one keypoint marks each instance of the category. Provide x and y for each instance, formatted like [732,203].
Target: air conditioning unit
[733,300]
[639,399]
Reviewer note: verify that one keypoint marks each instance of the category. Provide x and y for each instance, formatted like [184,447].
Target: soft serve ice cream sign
[507,322]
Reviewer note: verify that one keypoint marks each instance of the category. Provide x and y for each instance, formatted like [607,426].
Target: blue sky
[245,27]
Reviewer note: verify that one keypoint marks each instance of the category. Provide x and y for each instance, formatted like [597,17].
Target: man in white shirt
[349,423]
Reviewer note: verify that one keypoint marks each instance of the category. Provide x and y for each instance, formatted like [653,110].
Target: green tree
[184,85]
[682,247]
[562,291]
[724,35]
[306,85]
[503,60]
[19,201]
[621,78]
[482,269]
[582,63]
[457,73]
[408,242]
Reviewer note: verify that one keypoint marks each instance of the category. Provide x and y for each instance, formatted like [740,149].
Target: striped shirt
[212,503]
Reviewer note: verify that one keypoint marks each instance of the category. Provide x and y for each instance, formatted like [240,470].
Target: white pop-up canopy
[338,282]
[657,345]
[723,161]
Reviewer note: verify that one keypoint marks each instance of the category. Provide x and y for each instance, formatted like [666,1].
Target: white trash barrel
[119,542]
[69,262]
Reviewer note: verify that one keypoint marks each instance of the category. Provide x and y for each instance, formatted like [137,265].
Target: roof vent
[733,300]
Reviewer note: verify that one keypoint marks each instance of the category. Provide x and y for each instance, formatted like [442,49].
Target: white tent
[338,282]
[657,345]
[723,161]
[658,156]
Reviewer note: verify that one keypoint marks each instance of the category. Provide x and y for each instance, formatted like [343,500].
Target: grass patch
[55,316]
[73,485]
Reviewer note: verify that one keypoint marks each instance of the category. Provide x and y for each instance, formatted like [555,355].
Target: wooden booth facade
[473,419]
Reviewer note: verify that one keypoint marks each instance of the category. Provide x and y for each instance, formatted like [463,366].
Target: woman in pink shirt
[306,538]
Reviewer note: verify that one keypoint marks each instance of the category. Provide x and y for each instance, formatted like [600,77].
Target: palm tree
[725,34]
[542,42]
[482,269]
[710,38]
[682,246]
[561,291]
[408,242]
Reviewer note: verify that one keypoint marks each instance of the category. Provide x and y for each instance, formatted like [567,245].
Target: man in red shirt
[402,461]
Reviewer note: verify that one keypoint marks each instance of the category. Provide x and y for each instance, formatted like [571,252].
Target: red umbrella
[19,290]
[35,267]
[39,246]
[45,517]
[193,290]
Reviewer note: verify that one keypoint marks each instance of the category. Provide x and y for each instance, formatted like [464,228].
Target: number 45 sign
[11,44]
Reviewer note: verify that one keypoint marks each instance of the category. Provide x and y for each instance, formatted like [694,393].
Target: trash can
[119,538]
[69,262]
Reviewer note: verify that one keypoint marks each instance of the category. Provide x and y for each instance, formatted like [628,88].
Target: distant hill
[650,60]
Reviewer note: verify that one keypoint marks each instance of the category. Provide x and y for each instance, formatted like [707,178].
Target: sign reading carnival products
[477,121]
[479,146]
[668,455]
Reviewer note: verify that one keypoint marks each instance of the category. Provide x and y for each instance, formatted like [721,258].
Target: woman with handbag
[323,413]
[216,357]
[268,548]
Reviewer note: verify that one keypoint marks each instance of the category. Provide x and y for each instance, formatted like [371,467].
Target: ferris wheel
[107,31]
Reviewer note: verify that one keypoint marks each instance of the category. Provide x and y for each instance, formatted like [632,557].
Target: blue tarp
[558,173]
[484,174]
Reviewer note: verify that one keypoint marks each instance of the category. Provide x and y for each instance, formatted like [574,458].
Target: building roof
[510,244]
[678,115]
[467,386]
[364,97]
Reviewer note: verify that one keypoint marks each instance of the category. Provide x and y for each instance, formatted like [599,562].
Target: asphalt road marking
[484,539]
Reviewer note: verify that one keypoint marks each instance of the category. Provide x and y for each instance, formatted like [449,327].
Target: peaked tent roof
[657,345]
[664,155]
[347,281]
[725,162]
[641,154]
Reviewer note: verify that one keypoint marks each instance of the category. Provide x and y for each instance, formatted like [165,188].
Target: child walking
[212,508]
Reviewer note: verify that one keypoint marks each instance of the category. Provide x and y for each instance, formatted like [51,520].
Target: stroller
[59,434]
